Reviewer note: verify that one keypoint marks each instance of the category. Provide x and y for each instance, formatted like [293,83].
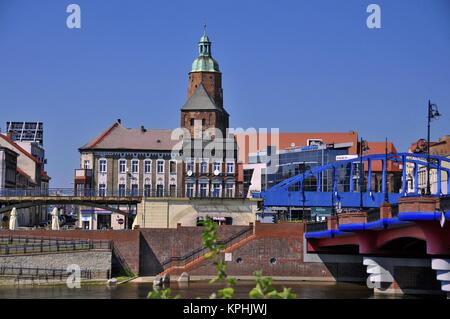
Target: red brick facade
[212,81]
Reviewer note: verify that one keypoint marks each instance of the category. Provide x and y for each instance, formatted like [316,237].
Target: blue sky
[295,65]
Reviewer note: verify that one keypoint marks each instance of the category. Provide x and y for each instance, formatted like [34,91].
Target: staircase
[177,265]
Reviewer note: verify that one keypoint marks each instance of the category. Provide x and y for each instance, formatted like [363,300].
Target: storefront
[101,219]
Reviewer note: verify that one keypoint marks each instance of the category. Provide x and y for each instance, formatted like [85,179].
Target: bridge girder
[32,203]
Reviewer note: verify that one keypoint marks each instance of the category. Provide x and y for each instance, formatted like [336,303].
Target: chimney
[119,121]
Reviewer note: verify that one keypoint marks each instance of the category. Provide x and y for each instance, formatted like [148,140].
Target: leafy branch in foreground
[162,294]
[264,289]
[210,241]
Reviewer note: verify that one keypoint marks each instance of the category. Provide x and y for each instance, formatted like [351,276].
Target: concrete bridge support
[442,267]
[401,275]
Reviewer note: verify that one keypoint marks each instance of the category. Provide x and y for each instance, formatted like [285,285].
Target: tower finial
[204,28]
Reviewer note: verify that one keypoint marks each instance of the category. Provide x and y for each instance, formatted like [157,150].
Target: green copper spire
[204,61]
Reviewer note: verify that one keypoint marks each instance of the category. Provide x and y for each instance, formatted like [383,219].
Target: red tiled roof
[119,137]
[20,148]
[101,137]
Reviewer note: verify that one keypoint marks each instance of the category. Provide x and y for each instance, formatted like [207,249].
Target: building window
[192,122]
[313,142]
[122,166]
[102,165]
[172,190]
[147,167]
[230,168]
[134,190]
[217,166]
[135,166]
[229,190]
[160,167]
[121,189]
[216,190]
[204,167]
[159,190]
[190,166]
[172,167]
[102,190]
[86,164]
[203,189]
[190,189]
[203,122]
[147,190]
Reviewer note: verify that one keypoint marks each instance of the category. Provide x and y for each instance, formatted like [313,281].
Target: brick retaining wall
[125,242]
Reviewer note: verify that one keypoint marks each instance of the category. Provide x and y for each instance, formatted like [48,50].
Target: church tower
[204,107]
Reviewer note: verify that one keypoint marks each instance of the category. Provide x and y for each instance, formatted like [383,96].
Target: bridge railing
[69,192]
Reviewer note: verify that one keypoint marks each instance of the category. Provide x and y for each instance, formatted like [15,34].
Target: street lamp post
[363,147]
[433,113]
[386,195]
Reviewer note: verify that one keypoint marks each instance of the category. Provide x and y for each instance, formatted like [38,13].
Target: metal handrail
[49,273]
[198,252]
[12,245]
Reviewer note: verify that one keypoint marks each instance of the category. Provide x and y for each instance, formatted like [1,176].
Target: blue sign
[310,147]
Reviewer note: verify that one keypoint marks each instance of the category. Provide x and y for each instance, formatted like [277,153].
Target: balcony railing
[83,173]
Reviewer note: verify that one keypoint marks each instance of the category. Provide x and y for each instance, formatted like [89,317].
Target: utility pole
[433,113]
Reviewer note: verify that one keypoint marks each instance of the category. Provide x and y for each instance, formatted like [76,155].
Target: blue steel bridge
[347,189]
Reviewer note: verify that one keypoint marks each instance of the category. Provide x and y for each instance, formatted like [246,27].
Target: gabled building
[417,180]
[155,162]
[124,162]
[29,173]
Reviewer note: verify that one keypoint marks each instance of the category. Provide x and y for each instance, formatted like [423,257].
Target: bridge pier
[402,276]
[442,267]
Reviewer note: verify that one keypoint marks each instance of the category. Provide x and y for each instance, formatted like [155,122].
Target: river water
[304,290]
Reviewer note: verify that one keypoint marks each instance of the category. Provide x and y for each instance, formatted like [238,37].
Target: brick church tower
[204,107]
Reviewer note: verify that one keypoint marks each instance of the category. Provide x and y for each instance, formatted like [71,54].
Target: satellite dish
[216,172]
[189,173]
